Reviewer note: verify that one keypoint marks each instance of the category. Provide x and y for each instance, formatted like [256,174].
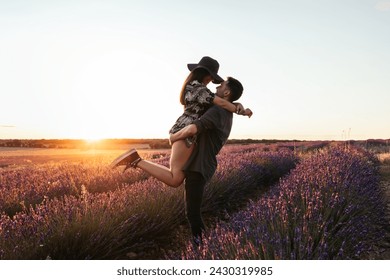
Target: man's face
[222,89]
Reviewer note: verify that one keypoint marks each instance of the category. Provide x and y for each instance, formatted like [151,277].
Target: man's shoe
[129,159]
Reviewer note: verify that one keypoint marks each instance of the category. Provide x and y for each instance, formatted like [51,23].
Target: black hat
[210,65]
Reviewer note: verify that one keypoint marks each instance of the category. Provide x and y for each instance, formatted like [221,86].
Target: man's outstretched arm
[188,131]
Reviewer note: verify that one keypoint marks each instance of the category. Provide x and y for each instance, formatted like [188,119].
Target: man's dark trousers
[194,187]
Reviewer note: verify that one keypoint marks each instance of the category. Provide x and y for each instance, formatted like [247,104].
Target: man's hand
[170,139]
[188,131]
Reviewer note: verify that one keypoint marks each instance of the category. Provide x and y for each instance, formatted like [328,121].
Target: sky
[311,70]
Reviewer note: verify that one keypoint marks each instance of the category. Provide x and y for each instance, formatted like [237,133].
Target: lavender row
[329,207]
[243,174]
[127,221]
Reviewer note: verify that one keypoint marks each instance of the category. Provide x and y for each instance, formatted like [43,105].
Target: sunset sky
[311,70]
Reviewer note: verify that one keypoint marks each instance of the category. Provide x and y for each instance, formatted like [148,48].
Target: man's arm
[188,131]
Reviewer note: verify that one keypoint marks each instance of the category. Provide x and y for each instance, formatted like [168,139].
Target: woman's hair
[235,87]
[197,74]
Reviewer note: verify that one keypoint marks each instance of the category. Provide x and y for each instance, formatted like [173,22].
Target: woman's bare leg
[174,176]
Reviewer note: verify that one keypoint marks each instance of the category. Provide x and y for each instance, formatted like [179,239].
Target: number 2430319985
[241,270]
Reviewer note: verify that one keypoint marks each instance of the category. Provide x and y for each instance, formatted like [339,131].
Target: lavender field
[262,203]
[329,207]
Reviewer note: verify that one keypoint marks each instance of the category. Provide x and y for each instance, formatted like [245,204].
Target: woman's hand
[248,112]
[241,111]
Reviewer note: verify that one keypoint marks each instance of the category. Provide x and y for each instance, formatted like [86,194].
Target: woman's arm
[227,105]
[232,107]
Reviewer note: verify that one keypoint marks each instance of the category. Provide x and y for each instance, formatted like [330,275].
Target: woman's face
[207,80]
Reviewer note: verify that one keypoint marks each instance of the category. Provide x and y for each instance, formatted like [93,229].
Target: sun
[93,140]
[91,136]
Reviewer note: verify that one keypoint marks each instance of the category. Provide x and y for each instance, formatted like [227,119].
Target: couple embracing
[197,136]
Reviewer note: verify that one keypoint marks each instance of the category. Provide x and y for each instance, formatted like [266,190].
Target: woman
[196,98]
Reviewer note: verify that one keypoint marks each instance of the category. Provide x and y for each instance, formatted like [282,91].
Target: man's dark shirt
[213,131]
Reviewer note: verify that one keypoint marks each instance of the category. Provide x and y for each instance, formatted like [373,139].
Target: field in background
[14,156]
[22,152]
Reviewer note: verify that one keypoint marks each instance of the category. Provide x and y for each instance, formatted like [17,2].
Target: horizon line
[254,139]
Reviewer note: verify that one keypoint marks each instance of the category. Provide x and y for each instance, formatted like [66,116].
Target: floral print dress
[198,98]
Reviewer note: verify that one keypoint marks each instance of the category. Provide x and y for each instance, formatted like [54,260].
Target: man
[213,130]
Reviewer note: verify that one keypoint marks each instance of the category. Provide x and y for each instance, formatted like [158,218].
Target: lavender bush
[329,207]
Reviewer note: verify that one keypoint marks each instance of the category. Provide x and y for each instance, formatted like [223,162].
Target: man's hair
[235,87]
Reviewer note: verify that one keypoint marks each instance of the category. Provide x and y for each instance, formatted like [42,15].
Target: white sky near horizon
[311,70]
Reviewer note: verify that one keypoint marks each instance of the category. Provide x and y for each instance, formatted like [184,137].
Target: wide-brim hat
[210,65]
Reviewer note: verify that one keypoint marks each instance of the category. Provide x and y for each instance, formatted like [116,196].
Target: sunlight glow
[93,140]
